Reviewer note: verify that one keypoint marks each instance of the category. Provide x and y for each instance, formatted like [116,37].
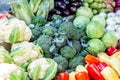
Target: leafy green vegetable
[100,19]
[22,10]
[43,9]
[81,21]
[95,46]
[15,34]
[84,11]
[34,5]
[94,30]
[109,39]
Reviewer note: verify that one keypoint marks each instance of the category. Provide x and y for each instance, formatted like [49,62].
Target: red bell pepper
[111,50]
[91,59]
[63,76]
[94,72]
[82,76]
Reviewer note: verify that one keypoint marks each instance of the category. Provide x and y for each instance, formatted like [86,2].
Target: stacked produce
[24,60]
[69,39]
[102,67]
[26,10]
[98,6]
[60,40]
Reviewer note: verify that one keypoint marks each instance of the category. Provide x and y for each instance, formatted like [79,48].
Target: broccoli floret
[76,44]
[74,62]
[36,31]
[68,52]
[49,30]
[39,20]
[62,62]
[44,41]
[56,17]
[71,31]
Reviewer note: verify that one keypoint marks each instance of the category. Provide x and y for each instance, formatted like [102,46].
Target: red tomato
[63,76]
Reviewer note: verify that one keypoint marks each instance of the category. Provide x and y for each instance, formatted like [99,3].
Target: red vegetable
[102,65]
[91,59]
[82,76]
[94,72]
[63,76]
[111,50]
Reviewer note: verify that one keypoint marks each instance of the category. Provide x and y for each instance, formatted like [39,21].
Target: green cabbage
[81,21]
[84,11]
[95,46]
[109,39]
[94,30]
[100,19]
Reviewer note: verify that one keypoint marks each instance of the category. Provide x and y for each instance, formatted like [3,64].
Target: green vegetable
[45,42]
[95,46]
[42,68]
[68,52]
[14,36]
[22,10]
[109,39]
[43,9]
[49,30]
[81,21]
[4,56]
[36,31]
[95,5]
[76,44]
[70,30]
[84,11]
[75,61]
[88,1]
[62,63]
[39,20]
[34,5]
[94,29]
[100,19]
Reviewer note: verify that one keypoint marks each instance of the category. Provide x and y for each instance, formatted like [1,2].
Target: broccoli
[36,31]
[71,31]
[74,62]
[62,62]
[39,20]
[68,52]
[45,42]
[77,45]
[49,30]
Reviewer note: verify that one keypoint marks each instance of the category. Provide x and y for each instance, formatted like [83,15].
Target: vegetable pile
[60,40]
[102,67]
